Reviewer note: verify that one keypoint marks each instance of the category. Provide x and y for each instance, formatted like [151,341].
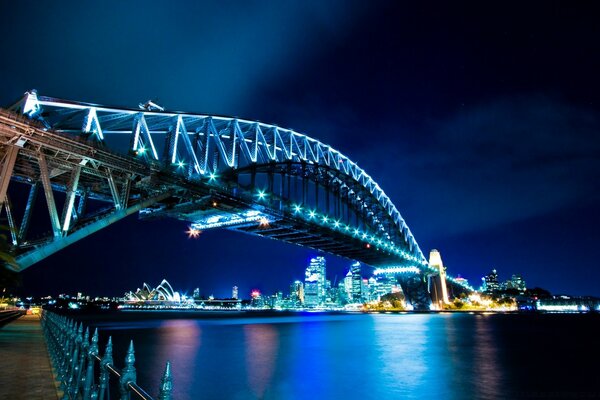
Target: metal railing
[75,357]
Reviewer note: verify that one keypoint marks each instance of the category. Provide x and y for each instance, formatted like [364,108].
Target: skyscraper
[234,292]
[297,292]
[356,283]
[314,282]
[491,282]
[348,285]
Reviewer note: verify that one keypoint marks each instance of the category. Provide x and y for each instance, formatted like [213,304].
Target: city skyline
[365,272]
[488,151]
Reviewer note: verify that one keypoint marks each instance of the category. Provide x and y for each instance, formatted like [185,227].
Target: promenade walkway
[25,371]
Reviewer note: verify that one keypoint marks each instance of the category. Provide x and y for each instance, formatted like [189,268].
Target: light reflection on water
[261,353]
[356,356]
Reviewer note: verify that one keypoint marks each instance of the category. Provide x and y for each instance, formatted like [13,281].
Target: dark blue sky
[479,120]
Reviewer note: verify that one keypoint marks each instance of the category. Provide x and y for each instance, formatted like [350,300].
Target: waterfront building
[357,284]
[314,282]
[196,294]
[234,292]
[162,293]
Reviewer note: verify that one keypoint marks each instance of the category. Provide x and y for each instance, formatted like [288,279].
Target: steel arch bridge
[102,163]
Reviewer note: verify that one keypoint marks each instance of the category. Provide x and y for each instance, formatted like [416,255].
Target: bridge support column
[415,291]
[45,177]
[28,211]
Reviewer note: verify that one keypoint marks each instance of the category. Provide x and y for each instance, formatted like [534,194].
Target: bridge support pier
[415,291]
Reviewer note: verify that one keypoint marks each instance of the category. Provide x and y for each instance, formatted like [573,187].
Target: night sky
[480,120]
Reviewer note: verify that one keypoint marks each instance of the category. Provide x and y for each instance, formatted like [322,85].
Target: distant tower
[435,261]
[234,292]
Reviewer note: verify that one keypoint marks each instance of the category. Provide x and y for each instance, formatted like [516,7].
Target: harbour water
[362,356]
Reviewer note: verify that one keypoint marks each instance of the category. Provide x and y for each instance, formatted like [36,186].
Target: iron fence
[84,374]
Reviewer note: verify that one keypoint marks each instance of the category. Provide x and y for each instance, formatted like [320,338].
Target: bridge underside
[222,211]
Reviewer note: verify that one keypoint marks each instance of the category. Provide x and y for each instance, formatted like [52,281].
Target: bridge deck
[24,362]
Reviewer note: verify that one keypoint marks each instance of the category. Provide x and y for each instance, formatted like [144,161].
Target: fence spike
[128,373]
[94,345]
[166,384]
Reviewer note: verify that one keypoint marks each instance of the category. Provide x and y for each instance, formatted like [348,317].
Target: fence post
[107,359]
[128,374]
[166,384]
[83,357]
[91,358]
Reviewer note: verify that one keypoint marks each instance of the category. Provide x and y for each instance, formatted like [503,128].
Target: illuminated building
[297,293]
[348,284]
[516,283]
[357,283]
[234,292]
[491,284]
[256,299]
[314,282]
[162,293]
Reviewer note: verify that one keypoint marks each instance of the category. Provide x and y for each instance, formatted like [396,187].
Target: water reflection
[401,346]
[412,356]
[487,365]
[262,343]
[179,341]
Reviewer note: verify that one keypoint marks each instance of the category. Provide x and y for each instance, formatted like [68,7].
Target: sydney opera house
[162,294]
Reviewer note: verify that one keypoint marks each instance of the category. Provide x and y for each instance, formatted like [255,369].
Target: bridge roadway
[24,362]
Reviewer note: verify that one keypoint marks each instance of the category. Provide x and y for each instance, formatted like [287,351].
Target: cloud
[501,162]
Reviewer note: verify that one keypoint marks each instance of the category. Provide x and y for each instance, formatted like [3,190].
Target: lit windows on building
[491,284]
[314,282]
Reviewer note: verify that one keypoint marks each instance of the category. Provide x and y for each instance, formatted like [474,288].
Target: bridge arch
[234,162]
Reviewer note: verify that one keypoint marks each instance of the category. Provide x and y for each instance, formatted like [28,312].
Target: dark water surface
[363,356]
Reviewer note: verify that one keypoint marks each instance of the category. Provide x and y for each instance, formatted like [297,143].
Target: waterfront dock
[24,362]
